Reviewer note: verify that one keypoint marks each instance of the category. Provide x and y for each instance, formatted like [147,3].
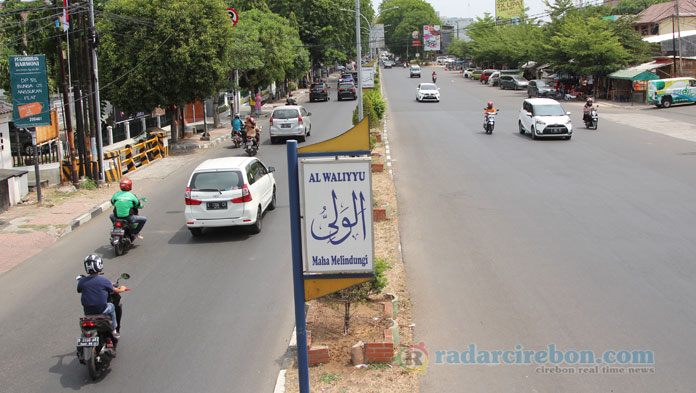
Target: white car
[544,117]
[229,191]
[427,91]
[290,121]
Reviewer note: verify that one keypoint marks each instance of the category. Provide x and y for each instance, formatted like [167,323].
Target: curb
[83,219]
[208,145]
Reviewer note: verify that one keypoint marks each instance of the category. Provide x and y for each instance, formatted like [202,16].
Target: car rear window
[346,85]
[285,114]
[541,84]
[216,181]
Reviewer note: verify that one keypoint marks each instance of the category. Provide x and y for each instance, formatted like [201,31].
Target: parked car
[346,90]
[229,191]
[427,92]
[494,79]
[485,75]
[415,71]
[467,72]
[544,117]
[476,74]
[514,82]
[665,92]
[290,121]
[539,88]
[24,145]
[318,91]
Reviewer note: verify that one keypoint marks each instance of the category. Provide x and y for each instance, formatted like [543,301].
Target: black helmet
[93,264]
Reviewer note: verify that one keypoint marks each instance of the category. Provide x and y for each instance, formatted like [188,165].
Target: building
[658,18]
[459,27]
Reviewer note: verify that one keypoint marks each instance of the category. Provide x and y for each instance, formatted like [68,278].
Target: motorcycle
[251,147]
[290,100]
[236,138]
[96,346]
[592,119]
[489,122]
[434,78]
[122,236]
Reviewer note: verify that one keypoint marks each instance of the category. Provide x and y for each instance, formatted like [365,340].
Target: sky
[474,8]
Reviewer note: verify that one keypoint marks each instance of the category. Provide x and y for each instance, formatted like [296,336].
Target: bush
[292,86]
[378,103]
[368,111]
[223,108]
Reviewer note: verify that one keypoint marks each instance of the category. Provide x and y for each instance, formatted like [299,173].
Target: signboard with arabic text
[336,196]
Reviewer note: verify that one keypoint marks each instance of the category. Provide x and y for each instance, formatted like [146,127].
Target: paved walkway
[28,228]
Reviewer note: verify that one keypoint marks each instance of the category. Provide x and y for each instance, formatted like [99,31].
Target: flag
[66,16]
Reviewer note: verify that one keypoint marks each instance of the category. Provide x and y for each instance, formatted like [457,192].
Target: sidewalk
[26,229]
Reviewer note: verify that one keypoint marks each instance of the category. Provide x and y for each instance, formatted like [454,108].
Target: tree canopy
[409,17]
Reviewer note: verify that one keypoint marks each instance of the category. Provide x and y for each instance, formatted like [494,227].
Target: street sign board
[233,15]
[29,86]
[368,77]
[336,195]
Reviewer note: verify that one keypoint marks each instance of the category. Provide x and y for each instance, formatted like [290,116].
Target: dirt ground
[339,375]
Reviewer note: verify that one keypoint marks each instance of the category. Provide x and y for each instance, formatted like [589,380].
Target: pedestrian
[257,103]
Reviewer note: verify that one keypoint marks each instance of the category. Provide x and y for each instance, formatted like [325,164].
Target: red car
[485,75]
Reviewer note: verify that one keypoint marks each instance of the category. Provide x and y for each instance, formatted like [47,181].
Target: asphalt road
[210,314]
[587,244]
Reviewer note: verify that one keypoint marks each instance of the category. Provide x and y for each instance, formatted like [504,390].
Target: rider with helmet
[252,130]
[488,109]
[95,291]
[236,123]
[587,108]
[124,203]
[434,76]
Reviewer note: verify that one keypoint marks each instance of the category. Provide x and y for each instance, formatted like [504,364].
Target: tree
[409,17]
[175,53]
[633,7]
[503,46]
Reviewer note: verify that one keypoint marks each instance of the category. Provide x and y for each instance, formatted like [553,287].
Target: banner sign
[509,9]
[29,91]
[336,196]
[377,37]
[368,77]
[431,37]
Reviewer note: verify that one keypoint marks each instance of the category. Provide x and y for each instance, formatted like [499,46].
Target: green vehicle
[476,74]
[665,92]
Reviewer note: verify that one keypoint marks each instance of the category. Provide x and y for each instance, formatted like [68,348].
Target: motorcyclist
[252,130]
[587,109]
[95,291]
[290,100]
[236,123]
[434,76]
[124,202]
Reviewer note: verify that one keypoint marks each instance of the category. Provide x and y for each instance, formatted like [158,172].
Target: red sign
[416,43]
[233,15]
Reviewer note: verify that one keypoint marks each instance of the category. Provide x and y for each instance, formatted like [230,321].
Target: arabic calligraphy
[339,222]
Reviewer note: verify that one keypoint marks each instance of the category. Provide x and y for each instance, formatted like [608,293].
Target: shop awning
[633,74]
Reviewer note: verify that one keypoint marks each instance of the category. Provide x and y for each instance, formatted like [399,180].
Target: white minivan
[229,191]
[543,118]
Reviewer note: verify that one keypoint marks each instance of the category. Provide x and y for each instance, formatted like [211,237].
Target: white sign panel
[368,77]
[337,215]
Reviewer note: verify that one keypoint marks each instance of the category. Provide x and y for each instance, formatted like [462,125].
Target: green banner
[509,9]
[29,86]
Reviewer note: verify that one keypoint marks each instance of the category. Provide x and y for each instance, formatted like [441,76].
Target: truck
[665,92]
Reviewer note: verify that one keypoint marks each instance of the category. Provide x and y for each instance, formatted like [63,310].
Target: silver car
[290,121]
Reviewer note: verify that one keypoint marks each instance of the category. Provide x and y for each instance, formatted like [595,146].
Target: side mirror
[125,276]
[79,277]
[271,169]
[143,199]
[309,113]
[568,113]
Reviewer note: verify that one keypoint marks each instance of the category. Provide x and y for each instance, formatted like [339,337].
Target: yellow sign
[357,138]
[509,9]
[315,288]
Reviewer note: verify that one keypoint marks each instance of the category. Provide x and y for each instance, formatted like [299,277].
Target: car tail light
[352,89]
[299,120]
[340,90]
[246,196]
[271,120]
[188,199]
[86,324]
[324,90]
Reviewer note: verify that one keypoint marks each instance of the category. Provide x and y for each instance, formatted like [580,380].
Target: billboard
[29,86]
[431,37]
[377,37]
[509,9]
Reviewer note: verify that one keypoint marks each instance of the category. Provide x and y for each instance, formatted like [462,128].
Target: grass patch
[88,184]
[329,378]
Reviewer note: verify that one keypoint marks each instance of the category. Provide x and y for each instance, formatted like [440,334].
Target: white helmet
[93,264]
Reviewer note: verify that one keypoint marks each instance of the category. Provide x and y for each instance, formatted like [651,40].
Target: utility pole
[674,50]
[359,64]
[66,102]
[93,32]
[676,4]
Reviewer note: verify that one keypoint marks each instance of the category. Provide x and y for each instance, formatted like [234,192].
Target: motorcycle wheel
[94,367]
[594,124]
[119,248]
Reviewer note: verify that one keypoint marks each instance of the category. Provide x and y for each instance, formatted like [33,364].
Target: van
[665,92]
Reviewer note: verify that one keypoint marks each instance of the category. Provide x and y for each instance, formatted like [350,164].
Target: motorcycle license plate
[216,205]
[88,341]
[118,232]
